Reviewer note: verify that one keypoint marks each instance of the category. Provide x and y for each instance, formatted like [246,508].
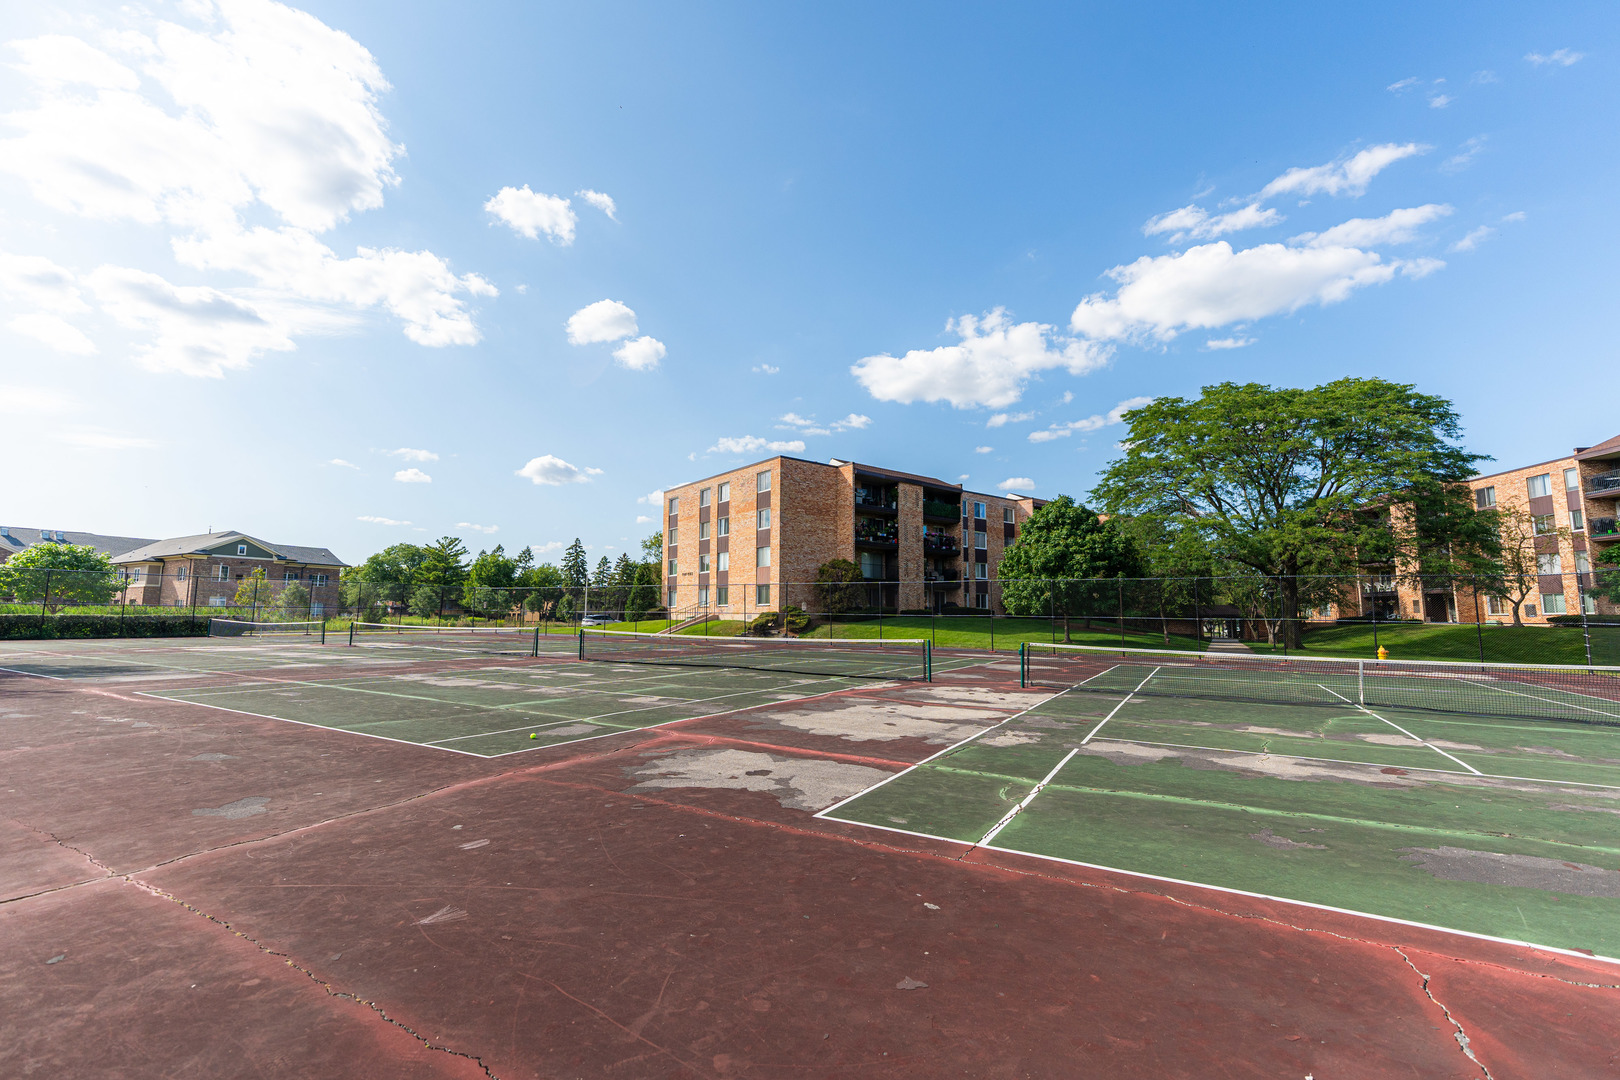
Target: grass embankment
[1462,641]
[1003,634]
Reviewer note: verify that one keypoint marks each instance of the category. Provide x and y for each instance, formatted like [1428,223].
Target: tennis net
[310,631]
[866,658]
[1587,695]
[458,640]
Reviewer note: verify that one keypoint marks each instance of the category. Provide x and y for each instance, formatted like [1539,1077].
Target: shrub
[15,627]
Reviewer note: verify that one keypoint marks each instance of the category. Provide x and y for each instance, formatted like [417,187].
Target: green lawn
[1463,641]
[976,632]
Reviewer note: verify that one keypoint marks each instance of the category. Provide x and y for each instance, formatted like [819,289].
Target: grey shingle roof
[203,542]
[15,538]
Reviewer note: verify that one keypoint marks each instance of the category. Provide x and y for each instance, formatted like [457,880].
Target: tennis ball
[534,735]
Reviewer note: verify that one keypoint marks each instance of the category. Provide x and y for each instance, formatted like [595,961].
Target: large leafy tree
[1519,568]
[384,576]
[1057,567]
[840,586]
[490,580]
[542,587]
[1280,480]
[443,570]
[56,574]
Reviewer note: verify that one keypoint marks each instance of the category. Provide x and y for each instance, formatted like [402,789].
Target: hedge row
[13,627]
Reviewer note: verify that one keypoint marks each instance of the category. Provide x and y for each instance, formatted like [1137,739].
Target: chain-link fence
[1563,619]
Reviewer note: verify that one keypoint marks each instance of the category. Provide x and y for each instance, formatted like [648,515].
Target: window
[218,601]
[720,594]
[1495,605]
[1006,515]
[725,496]
[978,510]
[762,556]
[1543,524]
[241,549]
[981,571]
[1588,603]
[762,595]
[672,570]
[290,575]
[224,572]
[1485,498]
[669,600]
[762,482]
[703,497]
[1577,521]
[674,536]
[703,564]
[1417,607]
[722,561]
[136,573]
[871,564]
[1549,564]
[1583,563]
[318,580]
[703,596]
[1530,610]
[1539,485]
[981,541]
[764,519]
[317,610]
[724,527]
[1552,603]
[703,530]
[674,505]
[180,572]
[1572,480]
[981,600]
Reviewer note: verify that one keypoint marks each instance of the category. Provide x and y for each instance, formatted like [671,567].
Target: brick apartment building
[1574,496]
[751,539]
[202,570]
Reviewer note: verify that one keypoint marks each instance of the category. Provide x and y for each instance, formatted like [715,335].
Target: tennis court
[484,692]
[1482,800]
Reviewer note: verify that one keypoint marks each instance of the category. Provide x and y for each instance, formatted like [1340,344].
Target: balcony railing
[935,509]
[1601,484]
[942,575]
[939,544]
[877,533]
[1603,527]
[876,499]
[1378,585]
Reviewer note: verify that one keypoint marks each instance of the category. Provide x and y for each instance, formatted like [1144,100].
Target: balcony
[940,544]
[1378,585]
[876,499]
[941,511]
[880,533]
[942,579]
[1603,529]
[1602,486]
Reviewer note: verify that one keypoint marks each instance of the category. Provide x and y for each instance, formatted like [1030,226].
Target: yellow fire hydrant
[1383,653]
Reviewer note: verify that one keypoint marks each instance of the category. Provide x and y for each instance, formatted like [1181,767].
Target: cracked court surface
[663,901]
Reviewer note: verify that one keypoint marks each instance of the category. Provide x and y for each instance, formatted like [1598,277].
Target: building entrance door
[1436,608]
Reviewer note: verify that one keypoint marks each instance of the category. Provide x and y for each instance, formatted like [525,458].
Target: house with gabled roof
[205,570]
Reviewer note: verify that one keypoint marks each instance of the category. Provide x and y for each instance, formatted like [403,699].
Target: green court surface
[422,691]
[1490,825]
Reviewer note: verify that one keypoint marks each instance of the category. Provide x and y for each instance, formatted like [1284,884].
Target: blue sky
[349,274]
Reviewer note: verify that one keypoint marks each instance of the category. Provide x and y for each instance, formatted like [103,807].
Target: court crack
[330,990]
[1460,1034]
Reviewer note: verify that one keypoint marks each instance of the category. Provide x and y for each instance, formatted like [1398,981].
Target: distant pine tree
[576,571]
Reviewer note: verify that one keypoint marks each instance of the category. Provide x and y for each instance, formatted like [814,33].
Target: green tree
[840,586]
[575,567]
[643,593]
[652,548]
[385,576]
[56,574]
[1519,562]
[1606,574]
[253,592]
[1059,563]
[542,587]
[1278,479]
[1179,570]
[490,580]
[291,603]
[439,577]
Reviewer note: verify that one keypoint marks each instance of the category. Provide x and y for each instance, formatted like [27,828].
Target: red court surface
[188,892]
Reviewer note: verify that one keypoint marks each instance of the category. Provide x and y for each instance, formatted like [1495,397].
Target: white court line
[305,723]
[1006,818]
[1118,707]
[1554,701]
[35,674]
[1403,731]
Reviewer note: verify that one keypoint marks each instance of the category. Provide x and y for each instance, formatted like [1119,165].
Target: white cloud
[1097,422]
[1013,483]
[413,476]
[642,354]
[1404,84]
[1396,227]
[249,108]
[1517,215]
[983,449]
[852,422]
[1558,58]
[486,529]
[35,282]
[1349,176]
[765,369]
[99,439]
[1196,222]
[1474,238]
[1440,101]
[652,498]
[602,202]
[990,366]
[1002,419]
[1485,77]
[643,519]
[793,419]
[1216,344]
[605,320]
[1464,156]
[344,464]
[750,444]
[33,401]
[406,453]
[1211,286]
[554,471]
[530,213]
[54,331]
[374,520]
[806,425]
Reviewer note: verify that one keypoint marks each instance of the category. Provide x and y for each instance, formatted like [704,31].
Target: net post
[535,648]
[323,631]
[351,633]
[1023,664]
[1361,682]
[580,644]
[928,661]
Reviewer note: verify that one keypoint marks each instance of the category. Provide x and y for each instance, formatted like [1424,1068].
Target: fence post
[1586,630]
[45,602]
[1479,624]
[123,606]
[1120,582]
[992,629]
